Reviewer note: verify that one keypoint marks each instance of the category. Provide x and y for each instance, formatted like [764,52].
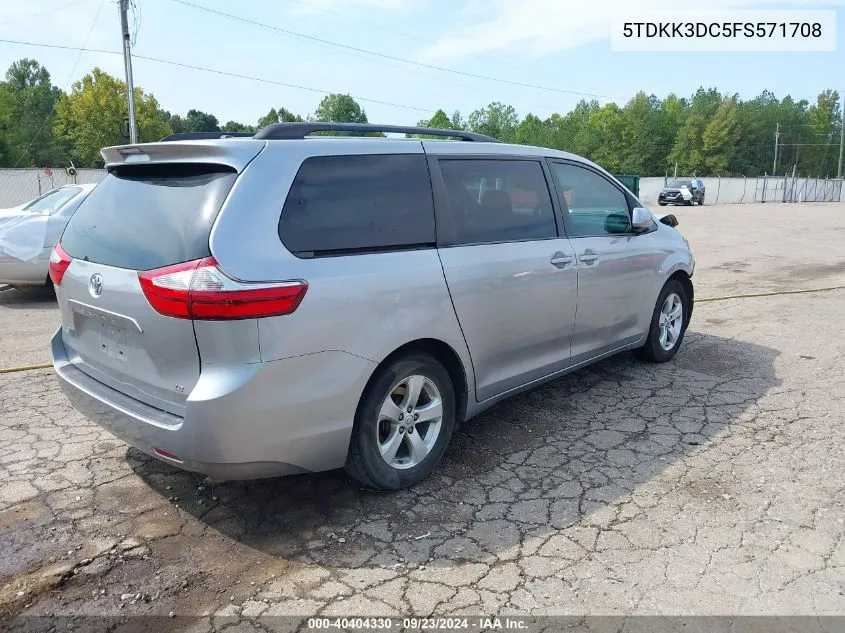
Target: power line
[412,36]
[430,75]
[386,56]
[279,83]
[40,13]
[217,72]
[136,21]
[69,77]
[790,144]
[834,121]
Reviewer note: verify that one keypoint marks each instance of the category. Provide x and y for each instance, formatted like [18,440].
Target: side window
[347,204]
[493,200]
[595,206]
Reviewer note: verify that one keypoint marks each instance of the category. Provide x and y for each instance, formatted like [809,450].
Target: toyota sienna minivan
[290,302]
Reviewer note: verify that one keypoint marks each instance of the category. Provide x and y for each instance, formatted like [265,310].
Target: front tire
[403,423]
[662,204]
[668,324]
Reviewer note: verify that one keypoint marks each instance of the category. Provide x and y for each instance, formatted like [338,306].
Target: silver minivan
[291,302]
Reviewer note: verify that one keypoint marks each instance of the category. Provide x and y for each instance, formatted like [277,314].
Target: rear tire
[662,204]
[668,324]
[403,423]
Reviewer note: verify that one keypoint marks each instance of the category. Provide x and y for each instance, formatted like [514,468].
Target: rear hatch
[154,209]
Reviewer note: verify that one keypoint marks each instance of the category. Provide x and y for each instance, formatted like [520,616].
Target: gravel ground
[711,485]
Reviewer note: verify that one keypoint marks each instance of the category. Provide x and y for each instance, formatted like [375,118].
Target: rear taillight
[59,261]
[200,290]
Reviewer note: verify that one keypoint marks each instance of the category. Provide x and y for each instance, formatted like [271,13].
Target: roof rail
[301,130]
[202,136]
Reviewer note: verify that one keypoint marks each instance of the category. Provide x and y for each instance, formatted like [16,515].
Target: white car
[29,231]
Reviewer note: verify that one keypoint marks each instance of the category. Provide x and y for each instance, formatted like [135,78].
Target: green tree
[570,133]
[720,139]
[823,120]
[497,120]
[27,99]
[268,119]
[648,132]
[440,121]
[758,120]
[234,126]
[688,150]
[198,121]
[532,131]
[286,116]
[282,115]
[340,108]
[176,123]
[91,116]
[603,138]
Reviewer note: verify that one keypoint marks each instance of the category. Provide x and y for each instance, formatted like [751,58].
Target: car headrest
[497,201]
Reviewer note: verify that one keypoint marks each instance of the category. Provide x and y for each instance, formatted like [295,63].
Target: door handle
[560,260]
[588,258]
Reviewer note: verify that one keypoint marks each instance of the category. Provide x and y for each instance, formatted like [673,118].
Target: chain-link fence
[812,190]
[21,185]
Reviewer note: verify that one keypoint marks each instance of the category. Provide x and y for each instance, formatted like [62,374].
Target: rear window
[348,204]
[52,201]
[147,216]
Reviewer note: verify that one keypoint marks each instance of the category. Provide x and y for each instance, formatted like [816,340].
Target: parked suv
[289,303]
[682,192]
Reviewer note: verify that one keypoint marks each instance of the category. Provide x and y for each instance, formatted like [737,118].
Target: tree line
[709,133]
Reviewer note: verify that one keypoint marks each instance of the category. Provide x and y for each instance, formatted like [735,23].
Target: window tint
[52,201]
[147,216]
[344,204]
[595,206]
[496,201]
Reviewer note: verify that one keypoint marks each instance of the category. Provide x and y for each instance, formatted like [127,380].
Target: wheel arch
[686,282]
[446,356]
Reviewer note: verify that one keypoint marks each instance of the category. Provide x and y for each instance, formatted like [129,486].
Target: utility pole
[841,139]
[775,162]
[127,62]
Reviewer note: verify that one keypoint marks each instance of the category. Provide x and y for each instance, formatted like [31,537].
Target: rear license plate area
[113,342]
[103,331]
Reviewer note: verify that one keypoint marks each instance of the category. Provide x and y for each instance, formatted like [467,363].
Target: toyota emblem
[95,285]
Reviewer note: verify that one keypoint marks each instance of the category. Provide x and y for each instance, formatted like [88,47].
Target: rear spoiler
[234,154]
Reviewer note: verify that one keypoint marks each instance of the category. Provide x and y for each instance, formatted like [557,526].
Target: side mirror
[641,219]
[668,220]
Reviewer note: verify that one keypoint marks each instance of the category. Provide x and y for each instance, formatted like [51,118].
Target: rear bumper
[245,422]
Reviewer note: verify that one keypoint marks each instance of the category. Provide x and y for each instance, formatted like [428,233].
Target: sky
[560,47]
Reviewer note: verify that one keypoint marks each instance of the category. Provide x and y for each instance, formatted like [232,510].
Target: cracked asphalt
[710,485]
